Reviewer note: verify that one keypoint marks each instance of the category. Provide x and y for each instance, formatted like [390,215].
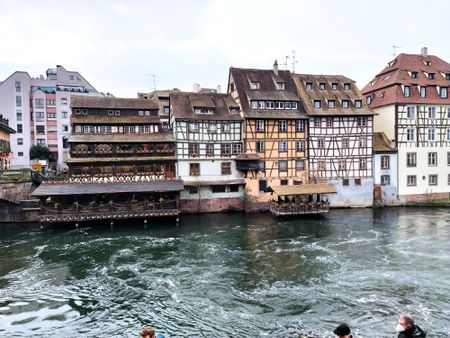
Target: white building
[208,134]
[38,108]
[384,169]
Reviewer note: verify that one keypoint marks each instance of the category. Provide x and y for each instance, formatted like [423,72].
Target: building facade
[275,129]
[384,170]
[208,132]
[340,137]
[5,143]
[411,99]
[39,110]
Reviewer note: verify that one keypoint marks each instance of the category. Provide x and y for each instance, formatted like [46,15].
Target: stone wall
[212,205]
[15,192]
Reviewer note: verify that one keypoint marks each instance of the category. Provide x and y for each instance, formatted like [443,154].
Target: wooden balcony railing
[286,209]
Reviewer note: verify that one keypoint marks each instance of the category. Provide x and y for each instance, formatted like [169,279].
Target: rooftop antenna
[293,61]
[395,50]
[286,62]
[153,76]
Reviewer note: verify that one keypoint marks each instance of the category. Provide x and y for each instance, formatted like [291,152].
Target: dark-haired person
[342,331]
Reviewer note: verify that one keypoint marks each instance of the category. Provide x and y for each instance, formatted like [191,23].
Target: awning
[63,189]
[302,189]
[220,182]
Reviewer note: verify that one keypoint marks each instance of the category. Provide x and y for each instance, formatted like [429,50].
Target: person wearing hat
[342,331]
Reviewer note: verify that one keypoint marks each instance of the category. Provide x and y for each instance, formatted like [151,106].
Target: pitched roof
[267,80]
[106,119]
[381,144]
[386,89]
[184,103]
[83,101]
[340,94]
[302,189]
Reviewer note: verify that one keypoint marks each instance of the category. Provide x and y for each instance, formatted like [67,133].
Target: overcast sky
[119,45]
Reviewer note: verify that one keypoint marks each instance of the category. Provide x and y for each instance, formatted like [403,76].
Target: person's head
[404,322]
[147,332]
[342,331]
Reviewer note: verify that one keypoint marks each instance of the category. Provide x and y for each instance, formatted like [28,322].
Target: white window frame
[410,112]
[411,134]
[431,134]
[260,126]
[282,126]
[282,146]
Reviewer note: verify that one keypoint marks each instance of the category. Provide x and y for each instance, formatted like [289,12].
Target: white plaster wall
[384,121]
[206,193]
[352,195]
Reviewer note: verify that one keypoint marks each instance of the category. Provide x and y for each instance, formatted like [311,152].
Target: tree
[39,152]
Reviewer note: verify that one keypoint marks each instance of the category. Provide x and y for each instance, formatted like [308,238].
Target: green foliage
[39,152]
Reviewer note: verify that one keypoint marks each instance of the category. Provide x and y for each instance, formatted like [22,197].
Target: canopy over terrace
[299,199]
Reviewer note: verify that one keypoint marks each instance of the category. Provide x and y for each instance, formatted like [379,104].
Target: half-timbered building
[208,132]
[275,129]
[121,165]
[411,98]
[340,137]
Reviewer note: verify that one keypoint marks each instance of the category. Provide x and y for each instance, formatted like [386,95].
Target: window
[212,128]
[414,75]
[254,104]
[342,165]
[50,102]
[308,85]
[282,165]
[193,149]
[225,149]
[443,92]
[334,86]
[317,122]
[280,86]
[411,159]
[88,129]
[317,103]
[237,148]
[226,168]
[300,126]
[358,103]
[254,85]
[110,112]
[432,179]
[192,190]
[18,87]
[320,143]
[39,116]
[300,145]
[194,169]
[147,113]
[63,101]
[447,76]
[407,91]
[282,145]
[193,127]
[225,127]
[259,146]
[19,141]
[64,114]
[345,103]
[282,125]
[218,188]
[166,109]
[448,112]
[209,149]
[142,129]
[432,159]
[385,162]
[270,105]
[321,165]
[432,112]
[300,165]
[287,105]
[293,105]
[331,103]
[346,86]
[259,125]
[362,121]
[431,134]
[329,121]
[362,142]
[411,134]
[448,179]
[411,112]
[362,163]
[345,181]
[448,158]
[77,111]
[233,188]
[284,182]
[279,105]
[65,128]
[357,181]
[261,105]
[51,116]
[129,129]
[72,77]
[411,180]
[116,112]
[19,128]
[262,185]
[19,101]
[40,142]
[431,76]
[344,143]
[261,165]
[385,180]
[141,113]
[322,86]
[423,91]
[19,116]
[40,130]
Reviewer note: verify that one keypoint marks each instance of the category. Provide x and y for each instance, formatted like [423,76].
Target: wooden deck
[292,209]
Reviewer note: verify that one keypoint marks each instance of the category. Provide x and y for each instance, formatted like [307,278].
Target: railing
[285,209]
[15,175]
[111,210]
[97,178]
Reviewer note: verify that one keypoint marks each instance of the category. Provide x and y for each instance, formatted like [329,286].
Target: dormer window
[317,103]
[331,103]
[209,111]
[407,91]
[346,86]
[293,105]
[254,85]
[427,63]
[254,104]
[287,105]
[423,91]
[234,110]
[110,112]
[334,86]
[358,103]
[84,111]
[197,111]
[141,113]
[279,105]
[280,86]
[345,103]
[447,76]
[261,105]
[322,86]
[414,75]
[369,99]
[309,85]
[117,112]
[270,105]
[443,92]
[431,76]
[77,111]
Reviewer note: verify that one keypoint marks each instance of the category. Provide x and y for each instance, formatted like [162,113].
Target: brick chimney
[275,67]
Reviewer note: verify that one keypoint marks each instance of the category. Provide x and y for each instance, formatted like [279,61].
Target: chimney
[219,89]
[196,87]
[275,67]
[424,52]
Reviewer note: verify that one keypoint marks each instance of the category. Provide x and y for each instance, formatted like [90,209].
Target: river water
[230,275]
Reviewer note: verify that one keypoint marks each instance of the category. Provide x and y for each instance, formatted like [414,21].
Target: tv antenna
[395,50]
[153,76]
[294,61]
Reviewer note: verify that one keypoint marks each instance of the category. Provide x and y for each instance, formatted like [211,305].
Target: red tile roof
[386,88]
